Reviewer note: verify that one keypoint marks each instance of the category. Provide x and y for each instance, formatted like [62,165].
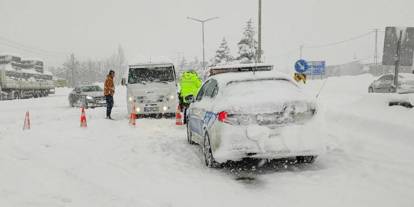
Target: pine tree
[248,44]
[223,53]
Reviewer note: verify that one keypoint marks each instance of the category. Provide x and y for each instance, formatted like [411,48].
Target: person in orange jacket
[109,91]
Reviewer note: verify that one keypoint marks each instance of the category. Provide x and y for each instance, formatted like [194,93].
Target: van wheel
[208,153]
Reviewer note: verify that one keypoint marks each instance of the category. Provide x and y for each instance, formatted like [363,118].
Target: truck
[23,79]
[151,89]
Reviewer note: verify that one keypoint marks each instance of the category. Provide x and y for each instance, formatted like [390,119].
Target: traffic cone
[26,124]
[133,116]
[83,123]
[178,117]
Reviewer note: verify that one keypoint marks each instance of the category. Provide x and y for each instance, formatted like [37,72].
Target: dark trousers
[109,105]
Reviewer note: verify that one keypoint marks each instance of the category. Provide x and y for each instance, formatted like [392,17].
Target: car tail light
[222,116]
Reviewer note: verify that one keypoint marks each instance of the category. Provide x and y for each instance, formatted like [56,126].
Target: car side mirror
[123,82]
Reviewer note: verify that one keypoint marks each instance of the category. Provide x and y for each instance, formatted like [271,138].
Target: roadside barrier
[83,123]
[26,125]
[178,117]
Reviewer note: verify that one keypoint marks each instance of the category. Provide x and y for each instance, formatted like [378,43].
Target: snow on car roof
[403,75]
[225,78]
[147,65]
[232,68]
[407,75]
[241,66]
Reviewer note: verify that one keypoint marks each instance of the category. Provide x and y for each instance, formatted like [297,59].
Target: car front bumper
[153,108]
[96,102]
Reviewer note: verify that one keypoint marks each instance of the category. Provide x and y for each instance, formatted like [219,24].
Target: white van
[152,88]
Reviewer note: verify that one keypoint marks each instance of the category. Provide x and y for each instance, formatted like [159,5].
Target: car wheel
[189,135]
[208,153]
[370,90]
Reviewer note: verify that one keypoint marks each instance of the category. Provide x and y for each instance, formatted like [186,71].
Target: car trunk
[265,102]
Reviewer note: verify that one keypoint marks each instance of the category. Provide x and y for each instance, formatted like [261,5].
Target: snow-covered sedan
[251,115]
[385,84]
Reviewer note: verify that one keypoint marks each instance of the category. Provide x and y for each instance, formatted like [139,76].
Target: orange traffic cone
[26,124]
[83,123]
[178,117]
[133,116]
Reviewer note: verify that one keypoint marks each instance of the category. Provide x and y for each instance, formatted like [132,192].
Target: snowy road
[56,163]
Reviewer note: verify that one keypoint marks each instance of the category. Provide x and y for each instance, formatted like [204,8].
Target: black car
[90,96]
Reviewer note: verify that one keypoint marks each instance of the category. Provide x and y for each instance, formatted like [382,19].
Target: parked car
[87,96]
[249,115]
[385,84]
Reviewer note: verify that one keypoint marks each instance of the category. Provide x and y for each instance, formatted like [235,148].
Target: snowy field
[57,163]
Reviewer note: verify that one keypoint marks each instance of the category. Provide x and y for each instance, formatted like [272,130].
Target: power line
[339,42]
[16,45]
[25,50]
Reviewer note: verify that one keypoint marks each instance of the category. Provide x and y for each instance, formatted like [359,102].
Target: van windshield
[144,75]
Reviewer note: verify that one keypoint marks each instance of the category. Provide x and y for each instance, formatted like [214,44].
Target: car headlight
[137,109]
[90,98]
[130,98]
[165,108]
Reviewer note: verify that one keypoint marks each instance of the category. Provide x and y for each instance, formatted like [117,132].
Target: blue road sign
[301,66]
[316,67]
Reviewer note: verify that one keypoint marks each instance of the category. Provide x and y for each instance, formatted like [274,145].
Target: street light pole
[203,39]
[204,51]
[259,55]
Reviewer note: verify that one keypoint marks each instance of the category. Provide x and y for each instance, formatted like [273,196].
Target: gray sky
[94,28]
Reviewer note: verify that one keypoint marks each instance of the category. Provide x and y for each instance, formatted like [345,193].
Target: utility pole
[397,61]
[376,48]
[301,51]
[72,64]
[203,41]
[259,52]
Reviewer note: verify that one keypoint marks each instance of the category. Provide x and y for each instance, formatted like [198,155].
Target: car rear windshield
[157,74]
[260,89]
[91,88]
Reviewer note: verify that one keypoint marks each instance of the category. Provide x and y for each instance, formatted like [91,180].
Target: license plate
[151,109]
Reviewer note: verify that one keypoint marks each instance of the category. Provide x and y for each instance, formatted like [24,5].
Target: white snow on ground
[56,163]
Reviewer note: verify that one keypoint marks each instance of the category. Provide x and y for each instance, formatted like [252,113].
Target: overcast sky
[94,28]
